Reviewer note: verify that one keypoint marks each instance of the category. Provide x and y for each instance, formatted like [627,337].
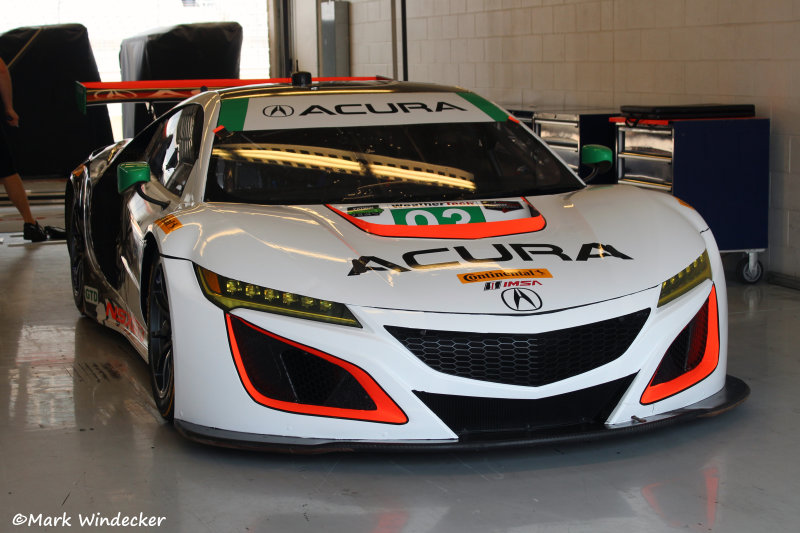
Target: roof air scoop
[301,79]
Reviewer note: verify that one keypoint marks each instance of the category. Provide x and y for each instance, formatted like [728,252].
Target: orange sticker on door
[169,223]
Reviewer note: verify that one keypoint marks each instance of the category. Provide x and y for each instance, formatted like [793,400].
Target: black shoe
[33,232]
[55,234]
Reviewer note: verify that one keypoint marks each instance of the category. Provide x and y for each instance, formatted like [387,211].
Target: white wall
[610,53]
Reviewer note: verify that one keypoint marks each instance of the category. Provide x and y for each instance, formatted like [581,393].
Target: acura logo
[521,300]
[278,111]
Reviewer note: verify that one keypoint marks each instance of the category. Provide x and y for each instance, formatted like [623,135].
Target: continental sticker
[169,223]
[489,275]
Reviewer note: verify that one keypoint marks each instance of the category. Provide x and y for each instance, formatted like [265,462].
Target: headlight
[229,293]
[685,280]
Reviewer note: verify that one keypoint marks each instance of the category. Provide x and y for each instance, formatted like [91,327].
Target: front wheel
[159,343]
[76,249]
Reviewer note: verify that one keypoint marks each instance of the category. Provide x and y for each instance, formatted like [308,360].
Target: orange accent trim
[478,230]
[98,92]
[685,204]
[655,393]
[643,121]
[667,122]
[512,118]
[386,410]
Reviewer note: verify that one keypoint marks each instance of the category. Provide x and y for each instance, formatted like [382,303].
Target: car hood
[595,244]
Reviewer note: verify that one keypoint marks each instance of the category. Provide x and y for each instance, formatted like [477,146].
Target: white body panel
[603,252]
[310,250]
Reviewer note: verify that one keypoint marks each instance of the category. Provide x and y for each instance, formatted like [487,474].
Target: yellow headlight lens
[685,280]
[230,293]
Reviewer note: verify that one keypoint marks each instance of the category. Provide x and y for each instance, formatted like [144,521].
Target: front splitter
[732,394]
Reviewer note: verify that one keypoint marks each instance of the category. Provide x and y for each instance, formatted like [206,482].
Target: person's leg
[16,193]
[31,230]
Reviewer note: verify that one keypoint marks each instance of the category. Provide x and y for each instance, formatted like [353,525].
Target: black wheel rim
[160,337]
[76,254]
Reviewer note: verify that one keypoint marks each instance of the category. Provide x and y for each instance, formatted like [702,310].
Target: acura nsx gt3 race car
[352,263]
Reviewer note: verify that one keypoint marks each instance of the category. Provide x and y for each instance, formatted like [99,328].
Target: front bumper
[212,404]
[732,394]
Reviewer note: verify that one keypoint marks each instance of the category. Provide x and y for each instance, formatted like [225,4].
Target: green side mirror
[597,157]
[129,174]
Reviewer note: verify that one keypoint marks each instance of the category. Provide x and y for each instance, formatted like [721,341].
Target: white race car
[351,263]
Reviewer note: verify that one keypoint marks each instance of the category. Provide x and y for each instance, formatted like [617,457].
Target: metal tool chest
[720,166]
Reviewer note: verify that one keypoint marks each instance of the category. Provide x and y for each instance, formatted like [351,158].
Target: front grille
[530,360]
[473,418]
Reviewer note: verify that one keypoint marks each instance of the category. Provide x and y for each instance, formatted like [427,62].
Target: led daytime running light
[229,293]
[685,280]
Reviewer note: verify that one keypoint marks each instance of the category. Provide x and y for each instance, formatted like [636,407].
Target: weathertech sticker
[474,277]
[169,223]
[466,219]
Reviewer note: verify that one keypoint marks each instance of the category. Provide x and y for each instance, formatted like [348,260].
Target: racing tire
[159,342]
[76,248]
[747,275]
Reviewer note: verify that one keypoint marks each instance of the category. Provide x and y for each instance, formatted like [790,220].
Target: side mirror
[136,173]
[129,174]
[597,157]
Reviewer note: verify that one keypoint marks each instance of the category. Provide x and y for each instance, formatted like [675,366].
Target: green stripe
[232,113]
[486,106]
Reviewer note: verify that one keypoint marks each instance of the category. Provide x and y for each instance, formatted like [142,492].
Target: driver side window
[175,146]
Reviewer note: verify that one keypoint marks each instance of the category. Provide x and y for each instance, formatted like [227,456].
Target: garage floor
[80,438]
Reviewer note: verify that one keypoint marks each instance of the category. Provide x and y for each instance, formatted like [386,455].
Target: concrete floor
[79,435]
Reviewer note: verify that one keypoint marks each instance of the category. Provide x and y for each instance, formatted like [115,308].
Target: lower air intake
[686,351]
[473,418]
[282,371]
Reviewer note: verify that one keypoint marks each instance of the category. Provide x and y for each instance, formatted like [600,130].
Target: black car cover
[54,136]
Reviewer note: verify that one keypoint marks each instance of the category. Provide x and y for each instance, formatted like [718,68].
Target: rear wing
[96,92]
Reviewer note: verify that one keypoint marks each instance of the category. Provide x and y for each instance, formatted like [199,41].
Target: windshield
[386,163]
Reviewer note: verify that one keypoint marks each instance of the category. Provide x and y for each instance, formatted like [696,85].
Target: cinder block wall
[610,53]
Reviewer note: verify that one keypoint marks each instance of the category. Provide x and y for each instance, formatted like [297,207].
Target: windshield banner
[348,110]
